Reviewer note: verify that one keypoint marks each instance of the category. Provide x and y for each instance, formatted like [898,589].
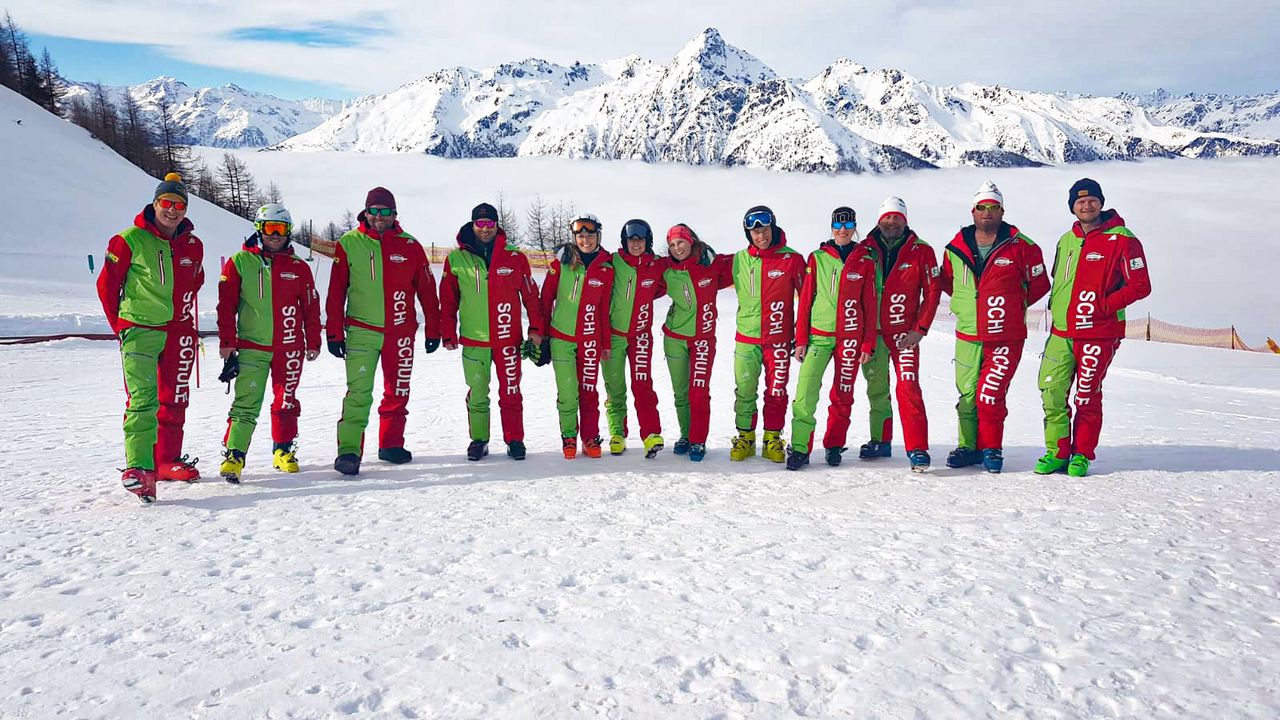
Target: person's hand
[910,339]
[864,358]
[800,352]
[230,369]
[604,354]
[338,348]
[312,354]
[432,344]
[450,345]
[225,351]
[536,338]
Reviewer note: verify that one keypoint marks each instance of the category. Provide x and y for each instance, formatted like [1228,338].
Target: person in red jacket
[907,280]
[378,271]
[268,323]
[485,281]
[1099,269]
[993,273]
[148,287]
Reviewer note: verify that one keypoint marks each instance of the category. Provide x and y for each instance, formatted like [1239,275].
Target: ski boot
[617,445]
[515,450]
[182,469]
[993,460]
[873,449]
[796,459]
[652,445]
[591,448]
[284,458]
[569,446]
[681,447]
[1079,466]
[744,445]
[140,482]
[232,466]
[1050,464]
[919,460]
[774,449]
[395,455]
[835,456]
[963,457]
[477,449]
[347,464]
[697,451]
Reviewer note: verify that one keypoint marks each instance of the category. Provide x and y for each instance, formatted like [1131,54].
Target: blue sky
[338,48]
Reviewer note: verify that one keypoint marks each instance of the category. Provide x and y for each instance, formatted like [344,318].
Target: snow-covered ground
[627,588]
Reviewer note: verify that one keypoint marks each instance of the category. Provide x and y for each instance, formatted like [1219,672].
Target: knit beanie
[989,193]
[172,188]
[892,205]
[380,196]
[484,211]
[1084,187]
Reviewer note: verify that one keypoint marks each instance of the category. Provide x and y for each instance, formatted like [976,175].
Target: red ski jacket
[907,278]
[990,299]
[279,297]
[854,293]
[377,292]
[1095,277]
[159,285]
[494,289]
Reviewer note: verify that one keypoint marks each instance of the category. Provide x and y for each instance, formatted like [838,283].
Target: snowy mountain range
[227,116]
[717,104]
[1256,116]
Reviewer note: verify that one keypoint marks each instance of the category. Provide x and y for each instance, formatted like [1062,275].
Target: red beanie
[380,196]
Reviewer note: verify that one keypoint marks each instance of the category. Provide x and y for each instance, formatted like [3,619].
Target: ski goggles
[380,212]
[637,230]
[275,227]
[843,225]
[760,218]
[166,203]
[485,224]
[987,206]
[584,227]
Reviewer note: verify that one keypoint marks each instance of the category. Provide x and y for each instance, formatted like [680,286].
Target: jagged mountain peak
[713,60]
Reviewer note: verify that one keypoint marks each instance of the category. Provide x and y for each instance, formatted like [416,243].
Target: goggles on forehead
[760,218]
[275,227]
[380,212]
[584,227]
[166,203]
[485,224]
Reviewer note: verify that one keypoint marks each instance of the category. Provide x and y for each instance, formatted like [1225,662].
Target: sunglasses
[485,224]
[274,227]
[984,207]
[380,212]
[585,227]
[846,225]
[166,203]
[762,218]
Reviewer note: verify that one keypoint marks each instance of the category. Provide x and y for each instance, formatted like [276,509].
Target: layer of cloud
[375,45]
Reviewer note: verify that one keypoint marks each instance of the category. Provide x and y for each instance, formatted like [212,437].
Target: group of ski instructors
[860,304]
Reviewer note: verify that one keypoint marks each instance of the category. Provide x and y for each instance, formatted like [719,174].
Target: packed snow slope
[65,195]
[627,588]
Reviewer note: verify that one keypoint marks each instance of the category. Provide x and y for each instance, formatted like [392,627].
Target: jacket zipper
[573,292]
[262,271]
[835,280]
[373,273]
[160,255]
[751,273]
[630,281]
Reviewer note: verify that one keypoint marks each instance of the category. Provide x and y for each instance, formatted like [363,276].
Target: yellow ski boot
[652,445]
[232,466]
[774,449]
[284,458]
[744,446]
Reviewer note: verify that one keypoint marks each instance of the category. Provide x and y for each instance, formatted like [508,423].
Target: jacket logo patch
[1004,262]
[504,271]
[185,262]
[1038,270]
[904,266]
[704,282]
[111,257]
[223,278]
[288,276]
[1136,264]
[775,274]
[595,282]
[854,276]
[1093,256]
[934,271]
[646,283]
[397,258]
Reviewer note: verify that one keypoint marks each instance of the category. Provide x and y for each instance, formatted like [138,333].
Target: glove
[432,345]
[530,352]
[230,369]
[543,352]
[338,348]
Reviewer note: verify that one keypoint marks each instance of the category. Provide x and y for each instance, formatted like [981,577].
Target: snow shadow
[1115,459]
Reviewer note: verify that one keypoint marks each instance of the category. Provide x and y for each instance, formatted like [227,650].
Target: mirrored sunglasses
[485,224]
[984,207]
[846,225]
[380,212]
[166,203]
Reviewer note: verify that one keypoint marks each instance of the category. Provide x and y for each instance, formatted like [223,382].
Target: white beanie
[988,193]
[893,204]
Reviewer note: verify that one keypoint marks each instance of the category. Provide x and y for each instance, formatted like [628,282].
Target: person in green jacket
[268,323]
[637,281]
[378,272]
[148,288]
[484,284]
[766,276]
[575,301]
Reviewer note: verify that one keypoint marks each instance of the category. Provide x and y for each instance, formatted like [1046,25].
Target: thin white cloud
[1081,45]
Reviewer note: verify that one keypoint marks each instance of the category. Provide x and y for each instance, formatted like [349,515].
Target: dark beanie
[484,211]
[380,196]
[171,185]
[1084,187]
[844,214]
